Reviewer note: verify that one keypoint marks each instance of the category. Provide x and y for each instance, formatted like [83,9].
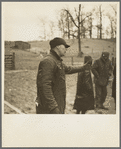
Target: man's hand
[87,65]
[55,111]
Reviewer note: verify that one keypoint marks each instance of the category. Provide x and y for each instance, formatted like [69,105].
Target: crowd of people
[51,84]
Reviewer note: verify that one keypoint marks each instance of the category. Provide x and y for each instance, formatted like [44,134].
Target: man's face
[105,57]
[61,50]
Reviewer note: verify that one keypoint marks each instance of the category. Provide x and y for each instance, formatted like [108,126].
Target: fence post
[13,61]
[72,60]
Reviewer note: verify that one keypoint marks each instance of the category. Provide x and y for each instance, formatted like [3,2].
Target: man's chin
[62,55]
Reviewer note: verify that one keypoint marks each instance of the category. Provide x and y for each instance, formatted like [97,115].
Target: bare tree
[113,18]
[65,24]
[51,25]
[99,13]
[90,26]
[78,24]
[87,26]
[43,25]
[61,24]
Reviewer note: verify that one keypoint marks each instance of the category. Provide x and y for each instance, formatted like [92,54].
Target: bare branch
[85,18]
[76,12]
[114,9]
[71,34]
[71,17]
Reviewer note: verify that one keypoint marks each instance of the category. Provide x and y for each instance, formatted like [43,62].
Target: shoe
[102,107]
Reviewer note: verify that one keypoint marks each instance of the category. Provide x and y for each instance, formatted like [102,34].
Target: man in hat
[102,70]
[51,87]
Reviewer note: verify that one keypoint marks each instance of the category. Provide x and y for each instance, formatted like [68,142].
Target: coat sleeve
[79,82]
[71,69]
[88,82]
[111,67]
[94,69]
[45,74]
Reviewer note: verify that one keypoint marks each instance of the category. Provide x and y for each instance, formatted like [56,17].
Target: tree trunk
[111,30]
[91,28]
[79,40]
[90,33]
[100,23]
[68,26]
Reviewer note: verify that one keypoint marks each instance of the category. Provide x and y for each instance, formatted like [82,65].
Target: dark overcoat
[102,70]
[84,97]
[114,84]
[51,85]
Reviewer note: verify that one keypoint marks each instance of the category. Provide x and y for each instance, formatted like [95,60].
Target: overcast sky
[21,20]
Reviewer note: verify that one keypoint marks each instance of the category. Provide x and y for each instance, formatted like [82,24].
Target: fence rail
[9,61]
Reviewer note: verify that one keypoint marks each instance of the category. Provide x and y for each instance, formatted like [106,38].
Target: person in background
[114,84]
[102,70]
[51,85]
[84,95]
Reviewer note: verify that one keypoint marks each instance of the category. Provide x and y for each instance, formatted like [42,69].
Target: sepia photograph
[60,58]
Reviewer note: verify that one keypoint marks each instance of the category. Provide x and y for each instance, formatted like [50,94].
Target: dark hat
[58,41]
[105,54]
[88,58]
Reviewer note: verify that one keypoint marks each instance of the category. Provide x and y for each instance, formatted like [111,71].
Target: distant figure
[114,84]
[84,96]
[101,69]
[51,83]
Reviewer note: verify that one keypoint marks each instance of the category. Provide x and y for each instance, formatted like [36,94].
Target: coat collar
[55,55]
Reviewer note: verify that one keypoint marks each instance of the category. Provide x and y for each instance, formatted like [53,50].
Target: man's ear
[58,47]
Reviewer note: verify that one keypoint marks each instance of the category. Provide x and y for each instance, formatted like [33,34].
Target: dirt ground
[20,84]
[20,91]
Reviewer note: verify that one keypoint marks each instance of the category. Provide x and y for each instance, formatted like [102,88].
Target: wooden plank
[8,55]
[13,61]
[8,66]
[8,59]
[11,67]
[9,62]
[12,107]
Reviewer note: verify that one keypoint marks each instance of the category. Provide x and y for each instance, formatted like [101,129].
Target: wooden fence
[73,60]
[9,61]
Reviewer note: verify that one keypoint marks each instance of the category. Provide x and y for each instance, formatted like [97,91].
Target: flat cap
[58,41]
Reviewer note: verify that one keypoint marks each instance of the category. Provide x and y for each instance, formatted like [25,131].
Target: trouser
[41,110]
[101,93]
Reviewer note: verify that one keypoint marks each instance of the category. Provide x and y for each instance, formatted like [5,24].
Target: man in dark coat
[51,87]
[84,95]
[101,69]
[114,84]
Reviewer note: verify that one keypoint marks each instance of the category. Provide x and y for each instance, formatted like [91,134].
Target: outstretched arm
[75,69]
